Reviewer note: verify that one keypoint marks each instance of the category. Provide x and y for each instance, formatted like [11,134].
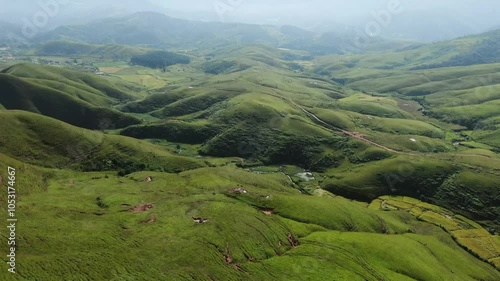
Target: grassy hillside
[485,51]
[261,118]
[249,148]
[465,51]
[460,87]
[257,112]
[70,48]
[250,125]
[112,89]
[50,143]
[300,238]
[75,98]
[433,180]
[465,232]
[23,95]
[34,179]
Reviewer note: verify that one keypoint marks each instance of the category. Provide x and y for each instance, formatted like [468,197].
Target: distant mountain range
[157,30]
[160,31]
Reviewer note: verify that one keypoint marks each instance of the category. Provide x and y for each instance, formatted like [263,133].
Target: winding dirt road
[339,130]
[360,137]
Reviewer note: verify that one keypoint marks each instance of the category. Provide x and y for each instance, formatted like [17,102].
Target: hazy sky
[422,19]
[339,9]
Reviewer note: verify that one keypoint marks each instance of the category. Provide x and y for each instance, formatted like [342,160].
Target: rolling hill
[47,142]
[252,161]
[465,51]
[484,51]
[79,99]
[271,114]
[454,81]
[110,227]
[70,48]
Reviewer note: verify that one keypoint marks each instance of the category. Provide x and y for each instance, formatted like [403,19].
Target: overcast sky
[420,19]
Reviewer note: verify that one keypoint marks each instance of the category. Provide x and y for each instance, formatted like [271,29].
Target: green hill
[249,125]
[19,94]
[256,114]
[253,162]
[454,81]
[78,99]
[484,51]
[114,91]
[47,142]
[70,48]
[97,223]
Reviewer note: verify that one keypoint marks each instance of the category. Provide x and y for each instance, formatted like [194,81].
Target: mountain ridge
[158,30]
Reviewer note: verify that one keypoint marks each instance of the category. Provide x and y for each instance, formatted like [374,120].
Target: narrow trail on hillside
[359,136]
[340,130]
[344,132]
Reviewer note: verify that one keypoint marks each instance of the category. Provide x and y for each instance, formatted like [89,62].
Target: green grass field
[334,236]
[298,167]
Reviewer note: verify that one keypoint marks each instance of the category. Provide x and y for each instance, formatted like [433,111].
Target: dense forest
[159,59]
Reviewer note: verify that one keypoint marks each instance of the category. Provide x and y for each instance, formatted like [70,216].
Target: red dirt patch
[267,211]
[292,240]
[227,255]
[142,208]
[239,190]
